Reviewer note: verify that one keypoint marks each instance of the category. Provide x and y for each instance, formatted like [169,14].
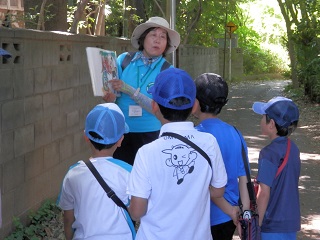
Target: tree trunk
[59,21]
[59,10]
[78,14]
[100,20]
[40,25]
[291,46]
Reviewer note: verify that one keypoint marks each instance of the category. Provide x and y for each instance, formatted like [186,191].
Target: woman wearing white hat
[137,72]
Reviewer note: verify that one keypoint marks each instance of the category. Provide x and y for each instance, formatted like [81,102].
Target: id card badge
[135,111]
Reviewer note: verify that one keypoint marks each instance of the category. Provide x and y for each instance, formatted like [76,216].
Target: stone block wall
[45,95]
[236,73]
[197,60]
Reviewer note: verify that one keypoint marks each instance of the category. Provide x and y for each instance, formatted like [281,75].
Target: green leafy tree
[303,30]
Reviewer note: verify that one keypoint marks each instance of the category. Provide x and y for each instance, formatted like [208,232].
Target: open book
[102,67]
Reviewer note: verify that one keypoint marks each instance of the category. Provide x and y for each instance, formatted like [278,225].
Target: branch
[161,10]
[40,25]
[196,19]
[77,15]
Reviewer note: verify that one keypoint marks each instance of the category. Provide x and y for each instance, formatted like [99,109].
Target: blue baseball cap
[173,83]
[4,53]
[106,120]
[282,110]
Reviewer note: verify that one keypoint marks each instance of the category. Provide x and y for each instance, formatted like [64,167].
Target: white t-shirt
[96,215]
[175,179]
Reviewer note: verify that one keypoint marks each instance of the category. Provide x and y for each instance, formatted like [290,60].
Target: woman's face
[155,42]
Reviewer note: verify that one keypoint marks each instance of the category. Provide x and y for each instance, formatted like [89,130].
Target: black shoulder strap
[165,65]
[127,59]
[187,141]
[111,194]
[252,196]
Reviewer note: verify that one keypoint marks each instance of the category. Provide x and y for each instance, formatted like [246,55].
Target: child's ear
[118,144]
[195,107]
[272,123]
[154,107]
[85,137]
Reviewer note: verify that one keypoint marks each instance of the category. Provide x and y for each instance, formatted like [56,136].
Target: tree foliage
[201,22]
[303,33]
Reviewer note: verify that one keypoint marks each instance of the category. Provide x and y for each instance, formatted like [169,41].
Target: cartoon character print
[182,159]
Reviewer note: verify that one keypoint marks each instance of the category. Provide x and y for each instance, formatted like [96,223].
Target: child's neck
[103,153]
[273,136]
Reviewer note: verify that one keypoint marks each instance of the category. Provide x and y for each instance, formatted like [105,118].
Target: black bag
[250,229]
[249,219]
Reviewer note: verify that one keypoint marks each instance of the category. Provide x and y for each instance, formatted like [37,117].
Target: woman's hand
[109,96]
[116,84]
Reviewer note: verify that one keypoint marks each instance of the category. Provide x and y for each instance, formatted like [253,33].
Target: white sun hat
[174,36]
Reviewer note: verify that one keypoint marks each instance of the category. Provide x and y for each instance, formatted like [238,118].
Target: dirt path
[239,113]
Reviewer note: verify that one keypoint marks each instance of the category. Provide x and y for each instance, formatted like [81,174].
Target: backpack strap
[285,160]
[128,58]
[111,194]
[165,65]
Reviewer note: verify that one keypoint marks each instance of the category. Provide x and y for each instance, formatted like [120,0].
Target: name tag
[135,111]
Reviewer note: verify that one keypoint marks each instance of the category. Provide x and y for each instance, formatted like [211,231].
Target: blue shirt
[231,149]
[139,75]
[283,210]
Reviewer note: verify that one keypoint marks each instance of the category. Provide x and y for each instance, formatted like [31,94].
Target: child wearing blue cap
[170,179]
[88,211]
[278,170]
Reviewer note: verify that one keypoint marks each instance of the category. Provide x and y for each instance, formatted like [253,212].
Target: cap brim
[259,107]
[174,36]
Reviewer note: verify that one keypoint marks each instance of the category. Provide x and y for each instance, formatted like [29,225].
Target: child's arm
[216,195]
[262,200]
[244,194]
[68,219]
[138,207]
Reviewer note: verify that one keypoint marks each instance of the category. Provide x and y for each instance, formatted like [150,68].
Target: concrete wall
[45,95]
[197,60]
[236,72]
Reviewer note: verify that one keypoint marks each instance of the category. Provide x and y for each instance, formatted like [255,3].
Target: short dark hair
[143,36]
[174,115]
[212,92]
[215,107]
[99,146]
[283,131]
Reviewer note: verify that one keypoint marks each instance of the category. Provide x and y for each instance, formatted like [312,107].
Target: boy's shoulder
[122,164]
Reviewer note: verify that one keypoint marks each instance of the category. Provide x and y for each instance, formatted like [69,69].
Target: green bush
[38,225]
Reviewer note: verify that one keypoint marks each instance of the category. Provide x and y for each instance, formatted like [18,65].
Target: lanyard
[145,77]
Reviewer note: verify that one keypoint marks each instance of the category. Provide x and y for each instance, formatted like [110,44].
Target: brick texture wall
[45,95]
